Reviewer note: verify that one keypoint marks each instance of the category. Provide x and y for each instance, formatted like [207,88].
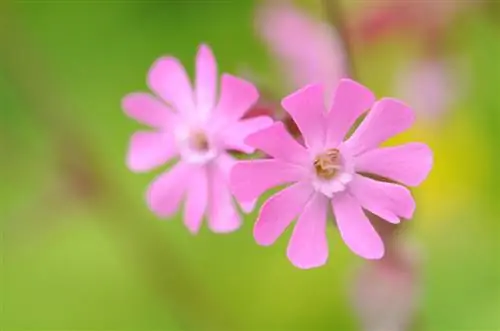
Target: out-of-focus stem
[335,15]
[386,293]
[81,168]
[395,266]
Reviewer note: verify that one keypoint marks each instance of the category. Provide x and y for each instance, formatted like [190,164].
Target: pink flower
[308,50]
[429,85]
[386,294]
[191,125]
[330,171]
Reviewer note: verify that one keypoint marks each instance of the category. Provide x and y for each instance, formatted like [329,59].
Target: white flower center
[331,172]
[195,146]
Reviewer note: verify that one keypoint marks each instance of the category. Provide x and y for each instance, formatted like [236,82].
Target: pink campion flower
[308,50]
[191,125]
[386,294]
[329,172]
[429,85]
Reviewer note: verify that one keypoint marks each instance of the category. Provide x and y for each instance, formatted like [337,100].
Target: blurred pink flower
[331,171]
[309,51]
[191,124]
[428,85]
[385,294]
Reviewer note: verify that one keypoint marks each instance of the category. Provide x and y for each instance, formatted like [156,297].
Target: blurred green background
[79,248]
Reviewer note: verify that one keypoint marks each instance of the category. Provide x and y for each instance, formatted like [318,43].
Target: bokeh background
[79,248]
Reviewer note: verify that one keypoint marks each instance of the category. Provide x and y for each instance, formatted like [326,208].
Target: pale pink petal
[165,193]
[307,108]
[275,141]
[408,164]
[146,109]
[236,98]
[355,228]
[249,179]
[308,247]
[350,100]
[387,295]
[279,211]
[308,50]
[248,206]
[226,162]
[386,200]
[429,86]
[387,118]
[234,136]
[206,80]
[148,150]
[168,79]
[196,200]
[223,216]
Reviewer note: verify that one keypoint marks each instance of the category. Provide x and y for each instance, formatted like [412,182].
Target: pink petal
[355,228]
[308,247]
[429,86]
[223,216]
[226,162]
[308,50]
[197,200]
[206,79]
[350,100]
[388,118]
[387,295]
[249,179]
[236,97]
[307,109]
[146,109]
[165,193]
[386,200]
[248,206]
[408,164]
[275,141]
[279,211]
[149,150]
[234,135]
[168,79]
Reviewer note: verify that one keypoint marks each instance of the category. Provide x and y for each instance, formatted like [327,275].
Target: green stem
[335,15]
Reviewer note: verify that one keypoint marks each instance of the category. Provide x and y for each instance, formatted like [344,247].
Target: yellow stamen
[327,164]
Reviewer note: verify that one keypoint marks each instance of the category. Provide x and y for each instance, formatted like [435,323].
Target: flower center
[198,141]
[333,170]
[328,164]
[195,145]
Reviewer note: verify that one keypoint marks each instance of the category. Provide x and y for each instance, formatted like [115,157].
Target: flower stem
[335,15]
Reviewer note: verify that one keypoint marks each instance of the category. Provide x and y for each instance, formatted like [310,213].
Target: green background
[79,249]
